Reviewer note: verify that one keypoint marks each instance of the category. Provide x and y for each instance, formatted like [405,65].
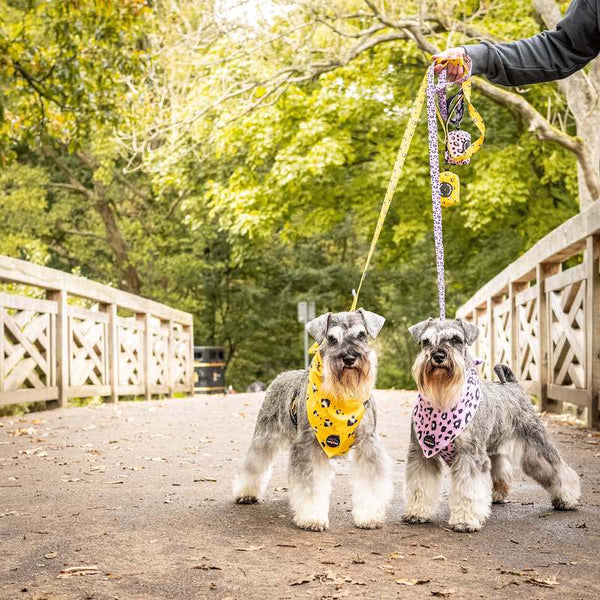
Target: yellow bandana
[334,420]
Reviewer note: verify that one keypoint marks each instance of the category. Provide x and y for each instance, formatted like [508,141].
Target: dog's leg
[255,471]
[542,462]
[470,492]
[422,487]
[310,483]
[372,487]
[501,477]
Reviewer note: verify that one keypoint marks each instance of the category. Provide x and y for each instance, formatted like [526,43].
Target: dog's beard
[355,382]
[441,386]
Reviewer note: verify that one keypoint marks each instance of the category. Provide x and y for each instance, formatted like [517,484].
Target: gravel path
[139,493]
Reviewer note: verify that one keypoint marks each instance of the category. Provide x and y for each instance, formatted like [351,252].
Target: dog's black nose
[349,360]
[439,356]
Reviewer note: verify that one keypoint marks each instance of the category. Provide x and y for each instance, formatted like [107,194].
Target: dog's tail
[505,374]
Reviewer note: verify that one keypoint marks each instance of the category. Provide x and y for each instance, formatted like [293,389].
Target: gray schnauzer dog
[348,371]
[504,427]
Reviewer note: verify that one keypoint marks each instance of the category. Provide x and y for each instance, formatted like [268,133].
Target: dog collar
[334,420]
[436,430]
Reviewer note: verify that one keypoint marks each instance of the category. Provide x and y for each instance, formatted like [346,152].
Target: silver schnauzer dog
[348,371]
[503,428]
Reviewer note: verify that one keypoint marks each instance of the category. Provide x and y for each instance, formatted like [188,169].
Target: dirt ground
[139,494]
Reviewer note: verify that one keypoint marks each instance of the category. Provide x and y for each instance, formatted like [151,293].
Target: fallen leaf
[23,431]
[396,555]
[412,581]
[546,583]
[78,571]
[249,549]
[50,555]
[302,581]
[439,557]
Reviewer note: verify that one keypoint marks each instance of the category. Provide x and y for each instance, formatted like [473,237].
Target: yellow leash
[409,133]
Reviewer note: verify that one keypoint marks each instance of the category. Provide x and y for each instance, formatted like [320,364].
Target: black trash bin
[209,369]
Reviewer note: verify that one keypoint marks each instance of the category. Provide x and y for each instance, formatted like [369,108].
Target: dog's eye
[331,339]
[425,343]
[361,335]
[456,340]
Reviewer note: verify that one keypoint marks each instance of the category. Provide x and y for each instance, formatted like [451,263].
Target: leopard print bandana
[436,430]
[334,420]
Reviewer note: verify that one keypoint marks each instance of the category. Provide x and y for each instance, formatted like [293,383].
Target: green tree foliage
[189,158]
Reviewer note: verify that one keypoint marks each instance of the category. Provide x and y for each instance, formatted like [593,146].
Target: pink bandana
[437,430]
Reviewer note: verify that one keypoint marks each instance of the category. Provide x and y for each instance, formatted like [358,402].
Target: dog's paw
[368,523]
[414,519]
[500,491]
[312,525]
[465,527]
[563,504]
[246,499]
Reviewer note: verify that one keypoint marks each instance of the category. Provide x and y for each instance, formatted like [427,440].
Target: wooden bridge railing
[78,338]
[544,319]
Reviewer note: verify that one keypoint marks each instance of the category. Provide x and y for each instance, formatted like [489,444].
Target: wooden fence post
[62,344]
[190,366]
[146,348]
[2,351]
[543,270]
[491,342]
[592,326]
[113,352]
[171,360]
[513,289]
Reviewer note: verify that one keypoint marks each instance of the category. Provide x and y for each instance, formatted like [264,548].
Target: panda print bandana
[436,430]
[334,420]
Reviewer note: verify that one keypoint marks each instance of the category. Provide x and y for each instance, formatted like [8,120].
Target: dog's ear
[417,330]
[373,322]
[318,327]
[471,331]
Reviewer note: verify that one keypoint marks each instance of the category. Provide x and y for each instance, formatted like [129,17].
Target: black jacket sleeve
[544,57]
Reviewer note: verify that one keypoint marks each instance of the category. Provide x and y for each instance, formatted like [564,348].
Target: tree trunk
[114,238]
[117,244]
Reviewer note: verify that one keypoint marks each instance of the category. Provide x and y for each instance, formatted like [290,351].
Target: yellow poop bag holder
[335,420]
[458,148]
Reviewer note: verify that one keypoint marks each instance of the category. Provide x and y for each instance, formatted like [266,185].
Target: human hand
[453,72]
